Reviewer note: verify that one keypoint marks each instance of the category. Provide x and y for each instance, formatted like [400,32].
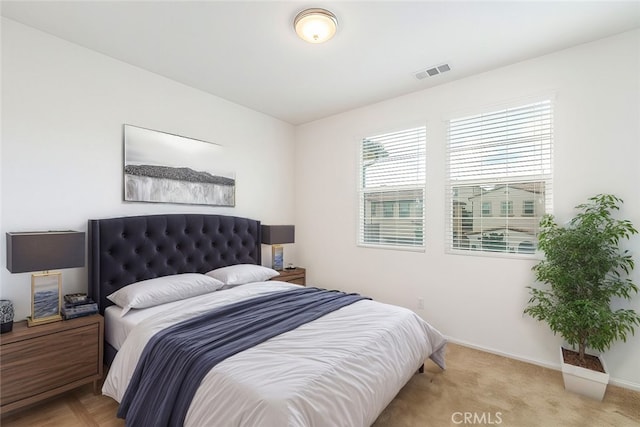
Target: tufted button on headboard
[129,249]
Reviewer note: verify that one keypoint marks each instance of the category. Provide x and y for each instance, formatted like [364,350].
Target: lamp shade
[46,250]
[278,234]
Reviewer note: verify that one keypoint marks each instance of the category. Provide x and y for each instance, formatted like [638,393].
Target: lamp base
[277,257]
[42,321]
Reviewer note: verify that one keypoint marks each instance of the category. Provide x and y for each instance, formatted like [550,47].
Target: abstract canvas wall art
[165,168]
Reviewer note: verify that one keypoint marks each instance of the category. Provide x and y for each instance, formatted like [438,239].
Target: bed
[341,368]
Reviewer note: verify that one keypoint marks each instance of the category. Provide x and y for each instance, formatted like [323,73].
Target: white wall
[63,108]
[473,299]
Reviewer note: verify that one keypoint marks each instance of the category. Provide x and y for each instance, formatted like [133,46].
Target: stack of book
[78,305]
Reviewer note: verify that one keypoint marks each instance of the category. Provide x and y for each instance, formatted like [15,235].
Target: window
[388,208]
[392,176]
[528,208]
[506,208]
[405,208]
[501,157]
[486,208]
[375,209]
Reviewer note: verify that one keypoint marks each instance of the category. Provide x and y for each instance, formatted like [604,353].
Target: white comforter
[340,370]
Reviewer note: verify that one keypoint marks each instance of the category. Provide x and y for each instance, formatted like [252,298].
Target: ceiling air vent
[433,71]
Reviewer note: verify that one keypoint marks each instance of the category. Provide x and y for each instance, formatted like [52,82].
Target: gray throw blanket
[175,360]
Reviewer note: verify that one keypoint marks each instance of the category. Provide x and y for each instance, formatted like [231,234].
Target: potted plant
[584,269]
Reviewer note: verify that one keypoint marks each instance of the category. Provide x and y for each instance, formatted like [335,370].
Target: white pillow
[152,292]
[240,274]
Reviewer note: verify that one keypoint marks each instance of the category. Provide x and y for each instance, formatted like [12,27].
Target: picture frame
[161,167]
[46,298]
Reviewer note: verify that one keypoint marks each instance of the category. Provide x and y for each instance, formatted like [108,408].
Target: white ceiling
[248,52]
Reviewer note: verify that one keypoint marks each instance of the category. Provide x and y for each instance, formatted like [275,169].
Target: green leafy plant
[585,269]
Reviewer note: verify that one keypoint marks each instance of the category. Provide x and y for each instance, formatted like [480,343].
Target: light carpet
[480,388]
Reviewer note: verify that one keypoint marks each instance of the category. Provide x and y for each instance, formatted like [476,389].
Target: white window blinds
[499,178]
[392,183]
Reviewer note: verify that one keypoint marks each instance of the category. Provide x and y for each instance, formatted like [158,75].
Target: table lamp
[44,251]
[276,236]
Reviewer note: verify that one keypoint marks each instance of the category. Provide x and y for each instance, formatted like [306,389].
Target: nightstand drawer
[298,281]
[295,275]
[32,365]
[45,360]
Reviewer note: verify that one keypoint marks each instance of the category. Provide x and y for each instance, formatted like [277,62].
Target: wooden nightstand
[45,360]
[295,275]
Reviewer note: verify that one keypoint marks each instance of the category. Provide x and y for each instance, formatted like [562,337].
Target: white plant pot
[584,381]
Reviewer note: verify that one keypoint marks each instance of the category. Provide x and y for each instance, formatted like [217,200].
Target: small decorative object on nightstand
[295,275]
[6,316]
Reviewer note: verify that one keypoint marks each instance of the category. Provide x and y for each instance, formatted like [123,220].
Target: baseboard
[556,367]
[624,384]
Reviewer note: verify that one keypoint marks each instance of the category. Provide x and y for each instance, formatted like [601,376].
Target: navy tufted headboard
[129,249]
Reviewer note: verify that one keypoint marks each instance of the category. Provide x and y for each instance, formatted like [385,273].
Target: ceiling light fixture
[315,25]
